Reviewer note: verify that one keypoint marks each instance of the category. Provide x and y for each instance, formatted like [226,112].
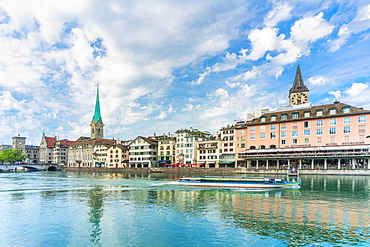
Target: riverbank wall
[239,170]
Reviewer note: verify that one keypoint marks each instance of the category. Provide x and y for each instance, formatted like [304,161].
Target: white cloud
[310,29]
[280,12]
[336,94]
[356,89]
[319,80]
[357,25]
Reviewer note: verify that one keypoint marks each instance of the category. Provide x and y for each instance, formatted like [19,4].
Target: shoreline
[240,170]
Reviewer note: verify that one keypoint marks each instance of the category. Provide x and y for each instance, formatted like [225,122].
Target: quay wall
[239,170]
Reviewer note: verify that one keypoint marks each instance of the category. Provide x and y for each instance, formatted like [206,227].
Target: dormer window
[319,113]
[346,109]
[263,119]
[295,115]
[273,118]
[284,117]
[307,114]
[332,111]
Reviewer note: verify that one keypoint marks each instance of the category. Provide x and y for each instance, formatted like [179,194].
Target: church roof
[298,85]
[97,115]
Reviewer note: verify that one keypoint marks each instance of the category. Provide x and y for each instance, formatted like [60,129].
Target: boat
[240,182]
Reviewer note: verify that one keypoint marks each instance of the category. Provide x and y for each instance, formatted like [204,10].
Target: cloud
[319,80]
[280,12]
[356,89]
[357,25]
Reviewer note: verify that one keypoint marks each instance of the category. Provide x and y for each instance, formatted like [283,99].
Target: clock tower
[298,94]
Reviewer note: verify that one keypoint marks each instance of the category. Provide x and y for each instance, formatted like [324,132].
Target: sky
[166,65]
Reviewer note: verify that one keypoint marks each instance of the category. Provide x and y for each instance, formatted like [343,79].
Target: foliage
[11,156]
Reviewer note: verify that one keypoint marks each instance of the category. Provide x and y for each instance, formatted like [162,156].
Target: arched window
[272,146]
[252,147]
[262,147]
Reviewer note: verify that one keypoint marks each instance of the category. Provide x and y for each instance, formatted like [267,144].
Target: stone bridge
[30,167]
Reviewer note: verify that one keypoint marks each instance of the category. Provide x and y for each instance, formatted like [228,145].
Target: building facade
[143,152]
[166,150]
[186,140]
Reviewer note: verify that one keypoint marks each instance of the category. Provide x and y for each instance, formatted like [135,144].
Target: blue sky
[165,65]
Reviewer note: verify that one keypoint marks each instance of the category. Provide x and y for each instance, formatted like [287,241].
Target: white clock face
[19,142]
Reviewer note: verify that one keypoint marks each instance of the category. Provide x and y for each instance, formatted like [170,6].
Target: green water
[125,209]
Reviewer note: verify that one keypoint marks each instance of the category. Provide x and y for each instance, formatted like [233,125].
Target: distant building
[118,156]
[97,126]
[209,153]
[33,154]
[47,145]
[19,143]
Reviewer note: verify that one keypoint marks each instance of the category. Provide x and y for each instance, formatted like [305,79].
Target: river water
[126,209]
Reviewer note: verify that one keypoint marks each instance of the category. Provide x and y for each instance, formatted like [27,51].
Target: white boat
[240,182]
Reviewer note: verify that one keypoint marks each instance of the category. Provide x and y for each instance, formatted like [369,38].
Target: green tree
[11,156]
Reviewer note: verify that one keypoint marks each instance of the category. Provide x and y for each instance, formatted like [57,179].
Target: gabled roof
[324,108]
[50,141]
[298,85]
[95,141]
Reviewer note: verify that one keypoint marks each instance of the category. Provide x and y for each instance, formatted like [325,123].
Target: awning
[164,161]
[226,162]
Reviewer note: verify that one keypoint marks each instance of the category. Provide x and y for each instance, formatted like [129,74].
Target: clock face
[299,98]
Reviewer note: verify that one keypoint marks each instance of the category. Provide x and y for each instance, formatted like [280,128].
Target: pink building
[302,136]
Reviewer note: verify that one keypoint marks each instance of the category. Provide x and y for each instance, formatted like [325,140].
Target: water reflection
[96,205]
[139,209]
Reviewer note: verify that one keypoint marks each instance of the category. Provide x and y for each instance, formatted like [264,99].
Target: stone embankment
[239,170]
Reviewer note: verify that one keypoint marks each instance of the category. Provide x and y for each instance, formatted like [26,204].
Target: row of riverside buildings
[332,136]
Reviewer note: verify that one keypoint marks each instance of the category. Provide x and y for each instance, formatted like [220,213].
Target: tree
[11,156]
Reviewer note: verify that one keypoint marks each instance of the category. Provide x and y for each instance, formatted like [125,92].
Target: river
[127,209]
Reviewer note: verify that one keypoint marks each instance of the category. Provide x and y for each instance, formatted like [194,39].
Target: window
[295,115]
[318,132]
[346,138]
[361,137]
[262,136]
[362,119]
[284,117]
[319,139]
[242,132]
[253,137]
[295,125]
[306,124]
[332,139]
[263,119]
[332,131]
[345,109]
[332,111]
[295,133]
[282,141]
[253,129]
[295,141]
[272,135]
[361,129]
[332,121]
[283,126]
[319,113]
[306,132]
[306,140]
[347,120]
[242,145]
[319,123]
[242,139]
[283,134]
[346,129]
[273,127]
[273,118]
[262,128]
[307,114]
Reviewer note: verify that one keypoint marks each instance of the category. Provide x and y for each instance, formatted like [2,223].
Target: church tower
[97,126]
[298,94]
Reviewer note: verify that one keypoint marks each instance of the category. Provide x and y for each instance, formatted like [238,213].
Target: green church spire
[97,115]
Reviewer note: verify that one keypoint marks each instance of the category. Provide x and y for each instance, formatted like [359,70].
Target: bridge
[29,167]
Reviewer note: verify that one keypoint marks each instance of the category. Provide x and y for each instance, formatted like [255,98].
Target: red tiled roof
[50,141]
